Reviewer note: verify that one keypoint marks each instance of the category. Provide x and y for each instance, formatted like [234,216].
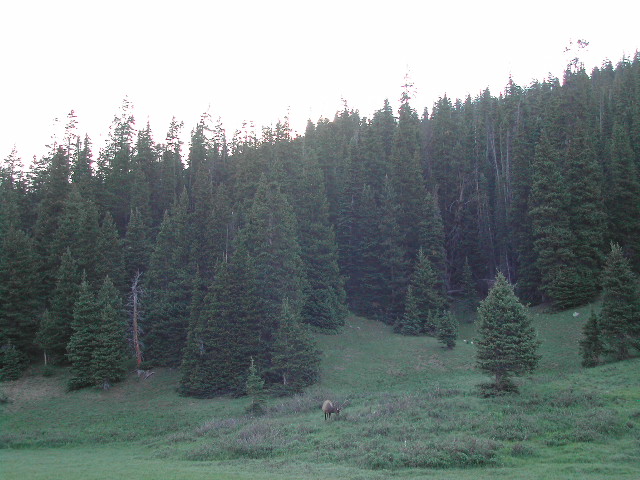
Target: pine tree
[86,314]
[21,298]
[394,274]
[255,390]
[591,347]
[110,348]
[110,256]
[620,314]
[270,238]
[136,246]
[448,329]
[324,293]
[507,343]
[169,286]
[553,239]
[56,328]
[226,333]
[469,291]
[295,360]
[13,362]
[425,302]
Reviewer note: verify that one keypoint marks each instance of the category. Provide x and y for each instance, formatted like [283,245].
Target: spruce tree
[55,329]
[324,293]
[169,288]
[110,347]
[226,334]
[620,314]
[86,315]
[110,256]
[591,347]
[13,362]
[255,390]
[447,329]
[21,297]
[507,345]
[270,239]
[295,361]
[136,246]
[425,301]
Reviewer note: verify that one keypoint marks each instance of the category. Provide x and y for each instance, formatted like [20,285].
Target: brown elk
[328,408]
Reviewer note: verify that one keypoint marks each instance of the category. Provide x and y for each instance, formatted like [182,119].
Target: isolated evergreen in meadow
[425,301]
[109,352]
[86,315]
[619,318]
[447,329]
[20,290]
[295,360]
[507,343]
[13,362]
[591,347]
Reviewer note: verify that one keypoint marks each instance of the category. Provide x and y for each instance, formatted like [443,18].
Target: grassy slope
[412,413]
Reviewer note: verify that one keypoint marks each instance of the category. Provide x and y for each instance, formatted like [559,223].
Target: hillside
[412,412]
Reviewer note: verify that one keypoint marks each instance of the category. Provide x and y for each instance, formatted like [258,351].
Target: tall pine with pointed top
[86,313]
[507,345]
[295,361]
[110,351]
[620,314]
[591,347]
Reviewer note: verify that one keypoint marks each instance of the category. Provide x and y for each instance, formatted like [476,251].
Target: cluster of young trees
[243,244]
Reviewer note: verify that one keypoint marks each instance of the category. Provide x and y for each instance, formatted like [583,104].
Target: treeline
[245,243]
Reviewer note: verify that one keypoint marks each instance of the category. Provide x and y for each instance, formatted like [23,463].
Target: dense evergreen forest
[228,251]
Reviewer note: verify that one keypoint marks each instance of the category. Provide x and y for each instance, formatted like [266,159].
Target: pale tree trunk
[136,293]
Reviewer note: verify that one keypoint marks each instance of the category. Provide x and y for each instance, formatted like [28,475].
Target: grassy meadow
[412,411]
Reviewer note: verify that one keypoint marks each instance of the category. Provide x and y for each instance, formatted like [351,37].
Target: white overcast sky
[257,60]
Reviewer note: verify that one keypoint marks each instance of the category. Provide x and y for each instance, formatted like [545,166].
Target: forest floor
[412,411]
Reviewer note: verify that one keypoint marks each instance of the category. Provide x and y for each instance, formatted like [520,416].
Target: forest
[221,256]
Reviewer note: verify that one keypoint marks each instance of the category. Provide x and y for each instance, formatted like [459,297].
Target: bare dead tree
[135,302]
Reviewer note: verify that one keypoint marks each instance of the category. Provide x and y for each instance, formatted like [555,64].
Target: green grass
[413,412]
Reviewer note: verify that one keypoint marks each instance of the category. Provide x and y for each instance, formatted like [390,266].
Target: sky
[259,61]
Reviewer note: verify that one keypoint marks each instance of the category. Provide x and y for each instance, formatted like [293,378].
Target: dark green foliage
[13,362]
[447,329]
[226,333]
[295,361]
[86,314]
[553,239]
[270,239]
[110,349]
[169,289]
[424,303]
[591,347]
[136,246]
[507,345]
[620,314]
[468,290]
[324,293]
[110,256]
[20,290]
[255,390]
[56,324]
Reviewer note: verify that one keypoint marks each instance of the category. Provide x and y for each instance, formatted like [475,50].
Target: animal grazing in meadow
[328,408]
